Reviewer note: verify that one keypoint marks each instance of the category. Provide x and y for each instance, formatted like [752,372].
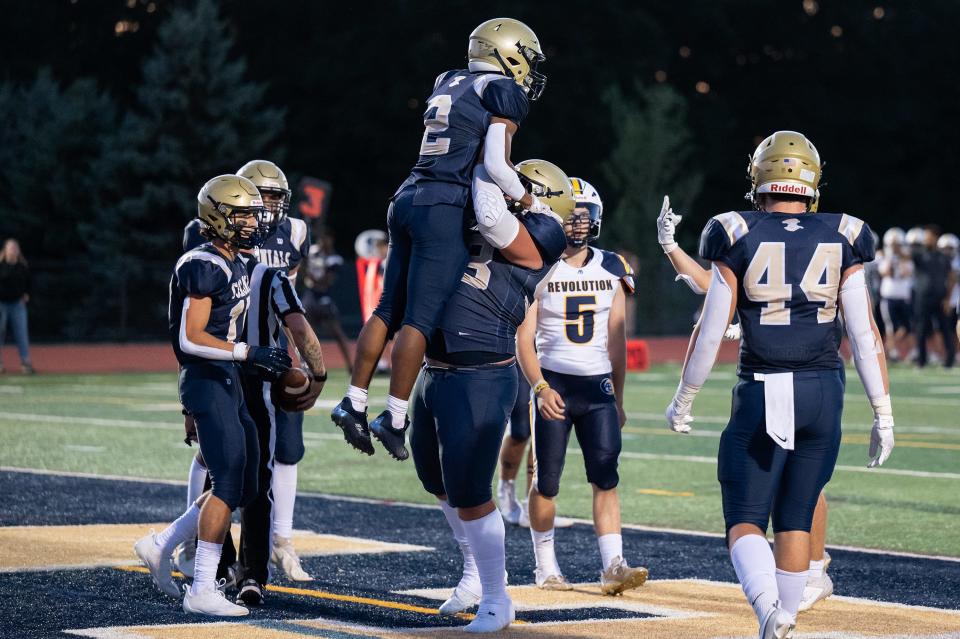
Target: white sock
[471,578]
[486,538]
[284,486]
[543,551]
[611,548]
[205,566]
[510,487]
[398,411]
[181,530]
[816,569]
[756,569]
[357,397]
[791,585]
[195,481]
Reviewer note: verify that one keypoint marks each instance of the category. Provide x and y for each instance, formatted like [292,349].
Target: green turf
[131,425]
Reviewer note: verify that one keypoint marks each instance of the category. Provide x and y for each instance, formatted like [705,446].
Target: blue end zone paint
[42,604]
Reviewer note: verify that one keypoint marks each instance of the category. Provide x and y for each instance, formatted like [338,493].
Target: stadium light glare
[810,7]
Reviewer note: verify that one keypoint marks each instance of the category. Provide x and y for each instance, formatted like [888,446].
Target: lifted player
[469,385]
[209,294]
[470,109]
[572,348]
[786,273]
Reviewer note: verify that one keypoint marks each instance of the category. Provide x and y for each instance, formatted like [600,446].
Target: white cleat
[285,558]
[815,591]
[562,522]
[158,564]
[777,624]
[184,556]
[618,577]
[510,508]
[212,603]
[461,599]
[826,560]
[551,582]
[524,519]
[492,616]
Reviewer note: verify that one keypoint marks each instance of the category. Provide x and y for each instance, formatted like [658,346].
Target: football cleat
[183,558]
[816,590]
[354,426]
[158,563]
[562,522]
[551,582]
[251,593]
[393,439]
[510,508]
[777,624]
[492,616]
[285,558]
[826,560]
[619,577]
[461,599]
[211,602]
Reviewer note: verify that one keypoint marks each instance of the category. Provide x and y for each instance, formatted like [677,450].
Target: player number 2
[579,313]
[765,281]
[436,119]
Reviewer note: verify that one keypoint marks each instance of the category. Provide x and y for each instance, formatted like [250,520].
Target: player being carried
[572,348]
[472,109]
[786,272]
[469,385]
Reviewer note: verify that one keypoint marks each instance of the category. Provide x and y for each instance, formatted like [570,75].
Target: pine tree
[196,115]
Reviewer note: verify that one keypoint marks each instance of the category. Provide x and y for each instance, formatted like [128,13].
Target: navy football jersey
[204,272]
[492,298]
[285,248]
[788,270]
[456,120]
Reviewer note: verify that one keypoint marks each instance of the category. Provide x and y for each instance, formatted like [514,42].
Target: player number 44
[765,281]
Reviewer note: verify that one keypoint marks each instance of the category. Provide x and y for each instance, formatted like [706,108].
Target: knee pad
[229,493]
[548,486]
[602,472]
[289,452]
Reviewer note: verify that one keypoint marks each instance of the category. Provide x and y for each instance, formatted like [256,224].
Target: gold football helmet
[510,47]
[269,180]
[550,184]
[788,163]
[222,201]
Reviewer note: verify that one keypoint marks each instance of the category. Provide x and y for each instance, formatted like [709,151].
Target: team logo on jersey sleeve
[606,386]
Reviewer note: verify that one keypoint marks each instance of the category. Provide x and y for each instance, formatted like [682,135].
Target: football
[290,388]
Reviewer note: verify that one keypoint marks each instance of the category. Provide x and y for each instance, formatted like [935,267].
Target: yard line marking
[434,507]
[87,421]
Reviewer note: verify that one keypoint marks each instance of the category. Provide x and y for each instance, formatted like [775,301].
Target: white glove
[733,333]
[881,440]
[678,412]
[667,225]
[538,206]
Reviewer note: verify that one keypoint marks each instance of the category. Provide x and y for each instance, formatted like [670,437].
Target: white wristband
[240,351]
[881,405]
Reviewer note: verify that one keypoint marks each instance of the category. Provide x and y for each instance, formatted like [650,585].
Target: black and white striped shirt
[272,298]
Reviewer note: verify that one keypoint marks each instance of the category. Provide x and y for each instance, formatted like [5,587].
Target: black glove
[273,362]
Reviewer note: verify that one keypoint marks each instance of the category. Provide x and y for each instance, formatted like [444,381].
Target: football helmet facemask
[586,197]
[785,163]
[222,202]
[510,47]
[273,186]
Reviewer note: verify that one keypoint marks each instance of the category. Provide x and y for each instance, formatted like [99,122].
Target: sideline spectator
[14,295]
[323,266]
[933,280]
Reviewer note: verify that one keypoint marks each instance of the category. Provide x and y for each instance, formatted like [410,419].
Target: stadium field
[91,462]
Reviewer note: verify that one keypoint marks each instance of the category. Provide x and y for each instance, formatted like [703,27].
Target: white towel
[778,400]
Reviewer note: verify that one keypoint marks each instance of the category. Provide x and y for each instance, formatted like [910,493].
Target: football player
[896,286]
[469,384]
[472,109]
[949,245]
[286,243]
[786,273]
[572,348]
[209,295]
[932,285]
[819,584]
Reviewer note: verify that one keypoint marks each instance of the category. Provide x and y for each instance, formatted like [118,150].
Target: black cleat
[393,440]
[251,593]
[353,425]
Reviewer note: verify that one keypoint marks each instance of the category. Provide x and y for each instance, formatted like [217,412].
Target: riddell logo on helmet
[788,188]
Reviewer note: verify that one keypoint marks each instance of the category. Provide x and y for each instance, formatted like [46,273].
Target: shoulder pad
[202,273]
[298,231]
[502,97]
[443,77]
[191,236]
[721,233]
[547,234]
[614,264]
[858,234]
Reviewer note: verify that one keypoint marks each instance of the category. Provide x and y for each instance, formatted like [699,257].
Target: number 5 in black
[580,318]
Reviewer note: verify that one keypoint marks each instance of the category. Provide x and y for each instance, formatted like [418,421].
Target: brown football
[288,390]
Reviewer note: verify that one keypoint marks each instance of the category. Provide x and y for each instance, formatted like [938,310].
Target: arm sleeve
[855,302]
[496,224]
[495,162]
[713,323]
[505,99]
[283,297]
[547,234]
